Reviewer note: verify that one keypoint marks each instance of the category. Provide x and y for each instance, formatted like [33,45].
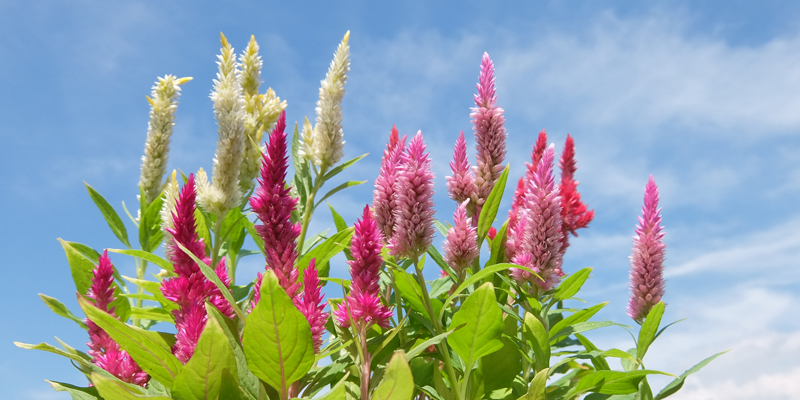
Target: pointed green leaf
[251,229]
[338,189]
[498,253]
[145,255]
[537,389]
[150,233]
[483,322]
[115,390]
[212,276]
[52,349]
[398,382]
[677,384]
[341,167]
[418,349]
[246,380]
[77,393]
[277,337]
[536,335]
[580,316]
[579,328]
[153,355]
[479,276]
[201,377]
[610,382]
[60,309]
[649,328]
[229,389]
[338,392]
[500,368]
[153,314]
[599,362]
[569,287]
[326,250]
[409,290]
[112,219]
[80,267]
[489,208]
[338,221]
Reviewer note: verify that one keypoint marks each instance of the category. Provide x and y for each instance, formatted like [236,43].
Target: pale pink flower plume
[190,289]
[461,185]
[647,260]
[309,302]
[105,352]
[363,303]
[273,204]
[384,199]
[574,213]
[413,231]
[490,134]
[461,244]
[540,246]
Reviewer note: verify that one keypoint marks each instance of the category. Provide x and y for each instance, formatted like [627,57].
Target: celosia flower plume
[574,213]
[539,246]
[190,289]
[647,260]
[309,302]
[273,205]
[363,303]
[461,244]
[413,231]
[384,200]
[105,352]
[490,134]
[461,185]
[515,233]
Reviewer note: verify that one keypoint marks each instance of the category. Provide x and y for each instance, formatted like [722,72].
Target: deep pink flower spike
[647,260]
[384,199]
[461,185]
[310,303]
[574,213]
[518,204]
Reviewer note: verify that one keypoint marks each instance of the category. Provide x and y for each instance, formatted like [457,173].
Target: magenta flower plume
[274,205]
[309,302]
[190,289]
[647,260]
[540,248]
[461,245]
[461,185]
[490,134]
[363,303]
[384,200]
[518,203]
[105,352]
[413,231]
[574,213]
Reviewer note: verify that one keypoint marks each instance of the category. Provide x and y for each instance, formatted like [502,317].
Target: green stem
[309,207]
[437,326]
[217,243]
[365,363]
[398,308]
[139,290]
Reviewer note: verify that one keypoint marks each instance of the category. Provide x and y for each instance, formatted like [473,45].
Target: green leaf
[201,227]
[150,233]
[338,221]
[277,337]
[409,290]
[247,381]
[649,328]
[483,322]
[537,389]
[477,277]
[77,393]
[233,233]
[498,248]
[145,255]
[60,309]
[398,382]
[677,384]
[610,382]
[336,190]
[153,355]
[536,334]
[579,328]
[489,208]
[52,349]
[229,389]
[418,349]
[80,267]
[599,362]
[338,392]
[153,314]
[341,167]
[111,217]
[212,276]
[201,377]
[500,368]
[251,229]
[570,286]
[326,250]
[86,251]
[580,316]
[116,390]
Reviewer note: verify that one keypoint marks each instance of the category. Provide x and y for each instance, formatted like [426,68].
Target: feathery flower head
[384,201]
[249,80]
[647,260]
[490,134]
[105,352]
[540,247]
[461,185]
[461,245]
[574,213]
[323,146]
[518,203]
[310,303]
[413,230]
[363,303]
[230,115]
[250,74]
[163,103]
[274,204]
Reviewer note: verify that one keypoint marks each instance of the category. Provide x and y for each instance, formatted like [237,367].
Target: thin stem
[365,362]
[217,243]
[139,289]
[309,207]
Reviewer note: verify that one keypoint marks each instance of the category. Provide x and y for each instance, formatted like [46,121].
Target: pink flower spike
[647,260]
[518,203]
[461,185]
[490,134]
[573,212]
[461,245]
[105,352]
[309,302]
[363,303]
[413,232]
[384,199]
[273,204]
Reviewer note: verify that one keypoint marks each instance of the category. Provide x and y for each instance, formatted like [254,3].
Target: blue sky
[703,95]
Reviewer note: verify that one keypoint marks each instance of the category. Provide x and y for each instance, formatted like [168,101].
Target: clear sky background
[704,95]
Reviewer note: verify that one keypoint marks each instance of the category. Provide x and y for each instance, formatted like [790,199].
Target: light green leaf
[230,389]
[599,363]
[483,322]
[537,389]
[80,267]
[489,208]
[569,287]
[500,368]
[201,377]
[341,167]
[536,334]
[52,349]
[498,250]
[649,328]
[148,349]
[60,309]
[277,337]
[338,189]
[212,276]
[145,255]
[398,382]
[418,349]
[477,277]
[153,314]
[579,327]
[150,233]
[251,229]
[326,250]
[112,219]
[77,393]
[338,392]
[610,382]
[409,290]
[677,384]
[246,380]
[580,316]
[338,221]
[116,390]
